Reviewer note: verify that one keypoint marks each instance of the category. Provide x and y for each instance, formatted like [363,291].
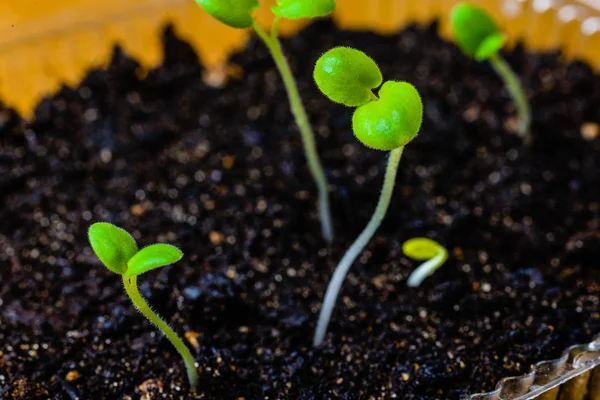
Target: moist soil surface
[220,172]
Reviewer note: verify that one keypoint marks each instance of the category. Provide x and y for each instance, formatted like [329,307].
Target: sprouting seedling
[119,253]
[424,249]
[387,122]
[239,14]
[479,37]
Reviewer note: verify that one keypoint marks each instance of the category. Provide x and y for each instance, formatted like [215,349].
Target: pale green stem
[357,247]
[517,92]
[308,137]
[427,268]
[139,302]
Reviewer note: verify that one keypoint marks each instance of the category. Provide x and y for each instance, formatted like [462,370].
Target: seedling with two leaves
[386,122]
[478,36]
[118,251]
[239,14]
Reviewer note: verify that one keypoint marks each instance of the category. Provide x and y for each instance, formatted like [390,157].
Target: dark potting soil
[220,172]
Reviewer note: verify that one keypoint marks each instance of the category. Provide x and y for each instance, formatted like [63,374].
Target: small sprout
[476,32]
[478,36]
[239,14]
[235,13]
[119,253]
[424,249]
[347,76]
[385,123]
[297,9]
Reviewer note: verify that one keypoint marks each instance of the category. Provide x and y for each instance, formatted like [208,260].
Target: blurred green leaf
[421,248]
[235,13]
[296,9]
[475,31]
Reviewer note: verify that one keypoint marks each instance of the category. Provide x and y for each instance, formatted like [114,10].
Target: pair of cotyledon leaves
[238,13]
[476,32]
[348,76]
[118,251]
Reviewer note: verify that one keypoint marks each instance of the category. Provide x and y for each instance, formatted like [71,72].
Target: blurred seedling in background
[119,253]
[387,122]
[424,249]
[239,14]
[478,36]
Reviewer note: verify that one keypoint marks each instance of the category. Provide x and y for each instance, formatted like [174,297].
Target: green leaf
[476,32]
[422,248]
[391,121]
[490,46]
[151,257]
[113,245]
[235,13]
[296,9]
[347,76]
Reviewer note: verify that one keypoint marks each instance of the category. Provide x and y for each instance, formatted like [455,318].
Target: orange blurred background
[44,44]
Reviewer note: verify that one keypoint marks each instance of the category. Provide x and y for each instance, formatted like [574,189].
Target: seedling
[479,37]
[424,249]
[239,14]
[387,122]
[119,253]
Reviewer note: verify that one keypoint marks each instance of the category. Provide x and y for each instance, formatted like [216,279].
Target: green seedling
[119,253]
[478,36]
[386,122]
[424,249]
[239,14]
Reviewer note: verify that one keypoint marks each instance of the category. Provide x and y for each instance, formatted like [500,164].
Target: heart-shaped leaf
[235,13]
[476,32]
[296,9]
[151,257]
[113,245]
[347,76]
[391,121]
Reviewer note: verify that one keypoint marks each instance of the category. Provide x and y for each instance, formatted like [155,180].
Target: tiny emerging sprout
[478,36]
[239,14]
[118,251]
[424,249]
[387,122]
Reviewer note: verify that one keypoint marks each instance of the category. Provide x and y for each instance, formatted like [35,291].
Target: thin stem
[139,302]
[308,137]
[275,28]
[427,268]
[342,269]
[517,92]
